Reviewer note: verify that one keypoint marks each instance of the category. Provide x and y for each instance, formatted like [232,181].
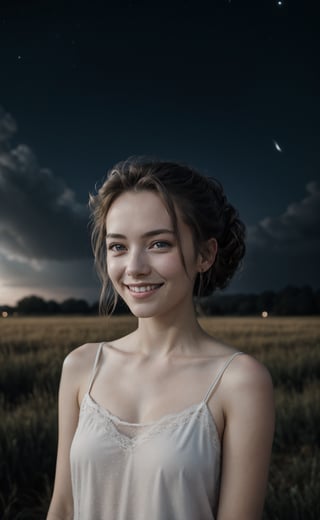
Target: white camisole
[167,469]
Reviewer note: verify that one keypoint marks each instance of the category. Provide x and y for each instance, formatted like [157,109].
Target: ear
[207,255]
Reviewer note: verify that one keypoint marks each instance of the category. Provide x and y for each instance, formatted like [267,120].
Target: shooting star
[277,146]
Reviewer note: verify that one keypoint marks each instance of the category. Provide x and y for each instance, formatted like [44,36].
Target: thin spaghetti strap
[94,370]
[219,375]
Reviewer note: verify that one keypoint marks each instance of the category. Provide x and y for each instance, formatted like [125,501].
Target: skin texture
[168,363]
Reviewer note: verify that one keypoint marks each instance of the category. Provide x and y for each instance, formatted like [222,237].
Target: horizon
[218,293]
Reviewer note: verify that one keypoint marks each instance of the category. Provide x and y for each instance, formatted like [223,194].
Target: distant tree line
[35,305]
[290,301]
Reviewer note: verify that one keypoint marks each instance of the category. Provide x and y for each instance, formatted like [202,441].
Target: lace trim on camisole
[130,435]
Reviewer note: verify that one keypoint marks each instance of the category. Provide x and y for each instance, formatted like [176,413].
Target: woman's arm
[248,404]
[61,506]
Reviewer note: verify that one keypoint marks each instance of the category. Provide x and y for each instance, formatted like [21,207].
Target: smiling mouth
[144,288]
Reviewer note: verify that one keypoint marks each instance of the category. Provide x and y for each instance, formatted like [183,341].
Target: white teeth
[142,288]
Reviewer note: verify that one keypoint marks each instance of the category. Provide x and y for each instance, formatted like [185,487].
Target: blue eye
[116,248]
[160,244]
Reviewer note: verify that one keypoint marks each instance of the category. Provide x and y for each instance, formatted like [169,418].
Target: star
[277,146]
[279,3]
[19,57]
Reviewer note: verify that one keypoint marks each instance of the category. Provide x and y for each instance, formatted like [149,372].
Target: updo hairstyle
[199,200]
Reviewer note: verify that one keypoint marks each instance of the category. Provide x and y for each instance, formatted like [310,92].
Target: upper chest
[137,391]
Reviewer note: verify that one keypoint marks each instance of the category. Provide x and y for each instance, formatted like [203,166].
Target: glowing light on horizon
[264,314]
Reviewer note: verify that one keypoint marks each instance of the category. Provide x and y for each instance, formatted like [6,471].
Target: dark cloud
[16,272]
[284,249]
[40,217]
[299,224]
[46,278]
[7,128]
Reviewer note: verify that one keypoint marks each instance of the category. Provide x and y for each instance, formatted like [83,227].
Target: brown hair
[201,202]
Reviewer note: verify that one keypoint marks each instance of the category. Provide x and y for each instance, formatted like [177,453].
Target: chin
[141,313]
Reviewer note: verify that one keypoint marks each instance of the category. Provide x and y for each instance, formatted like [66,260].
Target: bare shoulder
[247,381]
[80,360]
[247,372]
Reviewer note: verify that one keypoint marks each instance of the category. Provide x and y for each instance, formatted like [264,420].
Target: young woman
[166,423]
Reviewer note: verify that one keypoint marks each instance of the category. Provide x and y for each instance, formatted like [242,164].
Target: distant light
[280,2]
[19,57]
[5,314]
[264,314]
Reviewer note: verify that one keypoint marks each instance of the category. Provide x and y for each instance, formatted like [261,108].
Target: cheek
[170,266]
[113,268]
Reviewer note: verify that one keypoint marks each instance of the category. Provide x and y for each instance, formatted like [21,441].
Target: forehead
[143,209]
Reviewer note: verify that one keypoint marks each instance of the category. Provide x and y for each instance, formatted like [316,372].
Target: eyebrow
[148,234]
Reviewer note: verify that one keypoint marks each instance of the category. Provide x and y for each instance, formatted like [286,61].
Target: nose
[137,264]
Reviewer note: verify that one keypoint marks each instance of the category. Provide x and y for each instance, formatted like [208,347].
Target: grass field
[31,354]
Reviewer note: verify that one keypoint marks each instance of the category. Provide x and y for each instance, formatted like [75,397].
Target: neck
[169,335]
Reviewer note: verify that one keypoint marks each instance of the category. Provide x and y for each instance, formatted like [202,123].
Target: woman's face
[143,258]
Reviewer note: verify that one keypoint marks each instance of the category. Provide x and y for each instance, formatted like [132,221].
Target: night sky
[230,87]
